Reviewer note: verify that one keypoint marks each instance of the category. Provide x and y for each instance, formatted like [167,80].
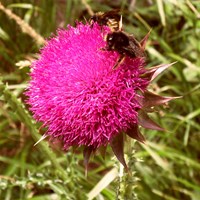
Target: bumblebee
[125,45]
[110,18]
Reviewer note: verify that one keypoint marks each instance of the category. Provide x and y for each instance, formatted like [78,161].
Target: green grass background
[167,167]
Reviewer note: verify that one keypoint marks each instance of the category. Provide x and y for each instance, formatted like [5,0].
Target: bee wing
[133,49]
[113,12]
[133,41]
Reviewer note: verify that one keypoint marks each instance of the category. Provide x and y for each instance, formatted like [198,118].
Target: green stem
[127,180]
[18,107]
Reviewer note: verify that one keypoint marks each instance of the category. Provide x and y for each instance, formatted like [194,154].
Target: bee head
[94,18]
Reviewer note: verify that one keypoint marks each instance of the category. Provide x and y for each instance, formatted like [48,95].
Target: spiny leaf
[153,72]
[117,145]
[146,122]
[135,133]
[143,42]
[151,99]
[86,154]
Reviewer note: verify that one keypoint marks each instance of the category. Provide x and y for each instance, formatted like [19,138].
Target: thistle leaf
[117,145]
[150,99]
[135,133]
[86,154]
[153,72]
[143,42]
[145,121]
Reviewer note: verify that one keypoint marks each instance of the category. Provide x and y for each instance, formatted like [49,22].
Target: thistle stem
[127,180]
[17,106]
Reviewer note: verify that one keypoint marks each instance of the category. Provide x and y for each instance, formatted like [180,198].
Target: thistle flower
[84,102]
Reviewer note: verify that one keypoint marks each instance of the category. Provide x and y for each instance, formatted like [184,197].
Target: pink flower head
[79,97]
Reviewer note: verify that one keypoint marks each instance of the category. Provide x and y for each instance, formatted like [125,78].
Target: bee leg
[103,49]
[106,48]
[119,61]
[91,25]
[101,26]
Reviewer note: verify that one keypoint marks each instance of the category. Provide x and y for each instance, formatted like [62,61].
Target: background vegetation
[166,168]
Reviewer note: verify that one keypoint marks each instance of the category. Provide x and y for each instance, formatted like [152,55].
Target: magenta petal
[146,122]
[81,100]
[75,92]
[135,133]
[117,145]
